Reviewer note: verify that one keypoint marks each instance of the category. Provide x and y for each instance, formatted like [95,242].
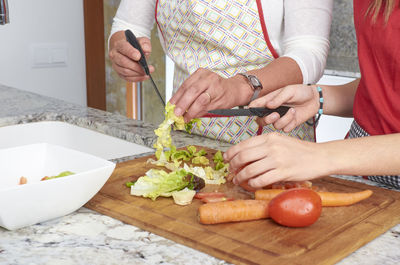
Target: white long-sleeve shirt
[298,29]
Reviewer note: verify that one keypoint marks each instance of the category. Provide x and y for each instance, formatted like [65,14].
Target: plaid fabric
[226,37]
[393,181]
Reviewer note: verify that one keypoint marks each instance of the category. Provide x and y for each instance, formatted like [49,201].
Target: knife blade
[260,112]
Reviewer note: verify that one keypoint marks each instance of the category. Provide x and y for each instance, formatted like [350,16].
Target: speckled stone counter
[87,237]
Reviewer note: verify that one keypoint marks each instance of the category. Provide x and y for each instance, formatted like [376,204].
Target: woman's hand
[274,157]
[303,99]
[205,90]
[125,58]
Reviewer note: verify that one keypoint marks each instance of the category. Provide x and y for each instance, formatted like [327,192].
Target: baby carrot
[328,198]
[343,199]
[233,211]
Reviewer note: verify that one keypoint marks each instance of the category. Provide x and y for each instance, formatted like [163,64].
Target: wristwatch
[255,85]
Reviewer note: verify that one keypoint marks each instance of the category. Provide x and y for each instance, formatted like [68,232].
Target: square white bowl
[38,201]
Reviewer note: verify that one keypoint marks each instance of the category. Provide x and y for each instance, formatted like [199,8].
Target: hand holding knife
[131,38]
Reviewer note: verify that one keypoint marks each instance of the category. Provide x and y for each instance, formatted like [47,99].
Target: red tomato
[216,199]
[296,207]
[201,195]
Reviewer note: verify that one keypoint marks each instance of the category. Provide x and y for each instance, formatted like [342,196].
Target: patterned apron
[226,37]
[393,181]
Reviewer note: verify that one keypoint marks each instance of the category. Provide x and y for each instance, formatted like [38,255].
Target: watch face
[254,81]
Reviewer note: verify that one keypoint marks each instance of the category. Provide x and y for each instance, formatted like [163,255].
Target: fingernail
[225,156]
[234,181]
[179,112]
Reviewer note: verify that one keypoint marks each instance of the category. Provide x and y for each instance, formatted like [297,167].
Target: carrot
[328,198]
[267,195]
[233,211]
[343,199]
[23,180]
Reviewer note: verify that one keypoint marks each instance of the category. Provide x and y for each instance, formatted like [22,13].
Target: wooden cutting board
[339,231]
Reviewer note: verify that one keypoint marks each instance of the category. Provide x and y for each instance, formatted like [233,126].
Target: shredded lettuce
[159,183]
[163,132]
[202,160]
[210,175]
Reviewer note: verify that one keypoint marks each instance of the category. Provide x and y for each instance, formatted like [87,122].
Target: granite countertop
[87,237]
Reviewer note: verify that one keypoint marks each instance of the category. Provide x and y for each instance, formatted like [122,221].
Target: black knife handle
[262,112]
[131,38]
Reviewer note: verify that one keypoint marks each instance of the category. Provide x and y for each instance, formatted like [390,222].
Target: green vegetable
[218,157]
[160,183]
[183,197]
[202,160]
[163,131]
[62,174]
[130,183]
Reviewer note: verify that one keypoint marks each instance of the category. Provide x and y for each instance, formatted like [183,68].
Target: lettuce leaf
[159,183]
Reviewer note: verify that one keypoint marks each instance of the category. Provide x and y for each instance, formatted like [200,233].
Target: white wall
[50,22]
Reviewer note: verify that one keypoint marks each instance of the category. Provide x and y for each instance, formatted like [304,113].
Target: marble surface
[87,237]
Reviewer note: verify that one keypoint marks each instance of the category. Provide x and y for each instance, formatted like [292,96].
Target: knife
[260,112]
[131,38]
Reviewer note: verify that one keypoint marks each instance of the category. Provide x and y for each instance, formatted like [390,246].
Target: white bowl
[38,201]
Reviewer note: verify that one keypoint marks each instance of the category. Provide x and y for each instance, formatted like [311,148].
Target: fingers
[263,180]
[125,58]
[287,119]
[262,101]
[145,43]
[243,146]
[191,95]
[253,170]
[199,106]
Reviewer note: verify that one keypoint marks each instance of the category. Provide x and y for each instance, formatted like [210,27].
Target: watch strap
[256,88]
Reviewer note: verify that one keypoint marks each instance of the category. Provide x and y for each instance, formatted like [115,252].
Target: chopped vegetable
[160,183]
[216,199]
[23,180]
[209,175]
[202,160]
[218,157]
[183,197]
[62,174]
[202,195]
[130,183]
[233,211]
[163,131]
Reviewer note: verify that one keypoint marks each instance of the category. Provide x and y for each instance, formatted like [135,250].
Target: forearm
[372,155]
[277,74]
[338,100]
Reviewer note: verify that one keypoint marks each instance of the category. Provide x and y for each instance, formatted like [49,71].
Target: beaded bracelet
[321,105]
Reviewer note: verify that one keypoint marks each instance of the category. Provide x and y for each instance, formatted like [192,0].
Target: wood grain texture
[339,231]
[95,54]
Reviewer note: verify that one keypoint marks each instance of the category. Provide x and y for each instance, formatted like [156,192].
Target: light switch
[47,55]
[58,56]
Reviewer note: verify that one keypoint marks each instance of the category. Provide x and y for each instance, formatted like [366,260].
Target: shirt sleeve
[306,35]
[136,15]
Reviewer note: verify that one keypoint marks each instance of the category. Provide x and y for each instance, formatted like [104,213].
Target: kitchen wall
[42,49]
